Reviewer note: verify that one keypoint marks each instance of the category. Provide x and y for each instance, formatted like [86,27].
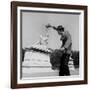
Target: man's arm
[54,27]
[50,26]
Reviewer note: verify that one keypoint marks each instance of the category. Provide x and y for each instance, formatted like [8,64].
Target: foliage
[75,57]
[56,55]
[55,58]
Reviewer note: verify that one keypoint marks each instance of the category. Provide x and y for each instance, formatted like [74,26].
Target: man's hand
[62,49]
[48,26]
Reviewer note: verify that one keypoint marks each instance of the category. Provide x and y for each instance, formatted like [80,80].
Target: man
[66,48]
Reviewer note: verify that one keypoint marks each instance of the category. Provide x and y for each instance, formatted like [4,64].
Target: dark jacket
[66,42]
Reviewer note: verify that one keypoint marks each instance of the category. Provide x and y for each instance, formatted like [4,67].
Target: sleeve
[68,41]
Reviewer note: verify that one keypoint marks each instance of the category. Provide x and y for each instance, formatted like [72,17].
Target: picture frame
[20,14]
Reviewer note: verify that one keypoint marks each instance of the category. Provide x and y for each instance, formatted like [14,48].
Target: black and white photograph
[49,44]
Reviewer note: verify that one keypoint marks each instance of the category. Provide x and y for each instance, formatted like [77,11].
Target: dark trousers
[64,69]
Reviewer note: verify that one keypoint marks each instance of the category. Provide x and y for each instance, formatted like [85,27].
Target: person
[65,47]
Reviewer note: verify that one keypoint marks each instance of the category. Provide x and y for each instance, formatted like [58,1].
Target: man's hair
[60,28]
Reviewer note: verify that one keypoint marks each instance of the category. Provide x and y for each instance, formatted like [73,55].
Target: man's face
[60,33]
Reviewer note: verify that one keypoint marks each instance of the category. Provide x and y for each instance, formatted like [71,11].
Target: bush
[75,57]
[55,58]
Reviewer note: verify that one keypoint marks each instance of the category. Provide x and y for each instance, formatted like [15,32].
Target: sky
[33,25]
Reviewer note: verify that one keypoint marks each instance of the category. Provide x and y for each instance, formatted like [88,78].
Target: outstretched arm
[54,27]
[50,26]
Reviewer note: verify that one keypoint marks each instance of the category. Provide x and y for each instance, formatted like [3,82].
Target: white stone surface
[37,64]
[39,72]
[36,59]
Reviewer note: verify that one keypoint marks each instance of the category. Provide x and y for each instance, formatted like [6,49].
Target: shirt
[66,42]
